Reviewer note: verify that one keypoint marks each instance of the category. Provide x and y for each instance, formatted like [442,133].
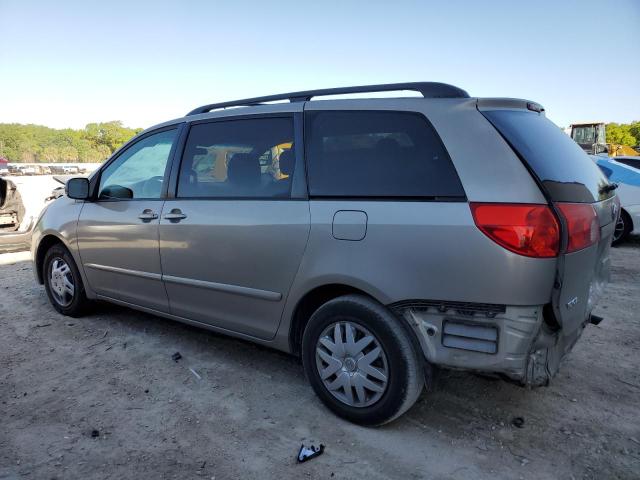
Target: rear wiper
[608,188]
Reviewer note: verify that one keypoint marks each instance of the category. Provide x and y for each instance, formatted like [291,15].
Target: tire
[72,305]
[623,229]
[399,359]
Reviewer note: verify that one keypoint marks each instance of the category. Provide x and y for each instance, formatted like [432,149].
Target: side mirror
[77,188]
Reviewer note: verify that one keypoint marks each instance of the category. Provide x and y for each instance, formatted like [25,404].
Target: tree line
[97,141]
[624,133]
[35,143]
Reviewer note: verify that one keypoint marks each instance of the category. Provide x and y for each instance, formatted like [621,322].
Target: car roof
[489,103]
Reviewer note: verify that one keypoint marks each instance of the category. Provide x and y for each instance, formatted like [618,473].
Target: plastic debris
[307,453]
[518,422]
[176,356]
[195,373]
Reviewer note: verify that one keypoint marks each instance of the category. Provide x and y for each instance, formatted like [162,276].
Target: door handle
[175,215]
[148,215]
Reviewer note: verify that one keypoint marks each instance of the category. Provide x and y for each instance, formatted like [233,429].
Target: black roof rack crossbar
[427,89]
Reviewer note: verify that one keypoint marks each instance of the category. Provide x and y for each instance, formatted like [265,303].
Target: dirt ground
[100,397]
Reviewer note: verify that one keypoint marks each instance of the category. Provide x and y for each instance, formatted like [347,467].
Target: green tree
[35,143]
[620,134]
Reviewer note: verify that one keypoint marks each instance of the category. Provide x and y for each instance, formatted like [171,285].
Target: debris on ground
[195,373]
[43,325]
[95,433]
[96,344]
[518,422]
[307,453]
[176,356]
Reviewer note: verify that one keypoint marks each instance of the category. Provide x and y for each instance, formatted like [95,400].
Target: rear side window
[377,154]
[251,158]
[565,170]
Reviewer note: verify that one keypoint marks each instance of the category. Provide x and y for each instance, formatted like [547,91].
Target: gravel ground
[100,397]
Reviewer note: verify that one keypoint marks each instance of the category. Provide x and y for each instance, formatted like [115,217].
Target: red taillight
[526,229]
[582,225]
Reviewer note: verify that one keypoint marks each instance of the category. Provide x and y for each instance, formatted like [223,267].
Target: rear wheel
[623,228]
[361,360]
[63,283]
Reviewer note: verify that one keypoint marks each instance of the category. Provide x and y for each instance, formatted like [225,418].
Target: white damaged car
[621,171]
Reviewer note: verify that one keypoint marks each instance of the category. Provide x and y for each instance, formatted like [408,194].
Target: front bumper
[511,341]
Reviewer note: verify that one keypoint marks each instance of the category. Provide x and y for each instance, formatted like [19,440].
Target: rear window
[564,169]
[377,154]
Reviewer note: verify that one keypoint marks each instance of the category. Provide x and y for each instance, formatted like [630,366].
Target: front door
[118,232]
[233,237]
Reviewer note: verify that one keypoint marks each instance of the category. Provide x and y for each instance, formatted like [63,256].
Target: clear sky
[68,63]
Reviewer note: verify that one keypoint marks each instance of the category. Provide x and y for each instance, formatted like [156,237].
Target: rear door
[232,238]
[576,188]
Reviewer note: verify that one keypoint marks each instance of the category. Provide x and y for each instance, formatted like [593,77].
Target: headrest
[287,161]
[244,170]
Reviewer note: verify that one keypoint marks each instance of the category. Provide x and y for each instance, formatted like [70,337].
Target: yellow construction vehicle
[593,140]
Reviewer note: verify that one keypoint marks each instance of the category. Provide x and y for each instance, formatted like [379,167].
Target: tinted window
[565,170]
[238,159]
[139,171]
[635,163]
[377,154]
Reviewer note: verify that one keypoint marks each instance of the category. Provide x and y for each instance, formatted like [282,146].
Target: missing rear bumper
[474,337]
[514,343]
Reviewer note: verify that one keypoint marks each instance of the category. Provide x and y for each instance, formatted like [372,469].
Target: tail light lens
[526,229]
[582,225]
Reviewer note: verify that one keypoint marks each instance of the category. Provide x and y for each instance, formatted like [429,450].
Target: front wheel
[63,283]
[361,360]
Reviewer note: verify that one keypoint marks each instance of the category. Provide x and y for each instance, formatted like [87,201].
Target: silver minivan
[376,238]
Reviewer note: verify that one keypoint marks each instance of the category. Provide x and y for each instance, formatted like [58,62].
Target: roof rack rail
[427,89]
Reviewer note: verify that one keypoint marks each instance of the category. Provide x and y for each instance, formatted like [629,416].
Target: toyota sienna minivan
[376,238]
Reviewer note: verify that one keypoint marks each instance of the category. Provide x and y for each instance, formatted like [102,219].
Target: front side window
[377,154]
[251,158]
[139,171]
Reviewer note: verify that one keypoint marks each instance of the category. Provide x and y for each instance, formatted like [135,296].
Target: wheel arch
[309,303]
[319,295]
[44,245]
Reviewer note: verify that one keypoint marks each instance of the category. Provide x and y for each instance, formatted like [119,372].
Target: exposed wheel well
[309,304]
[628,217]
[45,244]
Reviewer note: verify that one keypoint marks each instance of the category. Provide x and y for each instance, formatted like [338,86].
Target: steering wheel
[152,188]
